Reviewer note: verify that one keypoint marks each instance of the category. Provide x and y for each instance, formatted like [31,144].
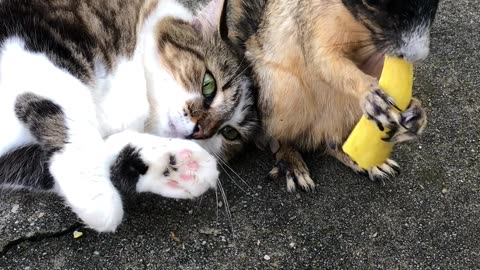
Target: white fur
[118,103]
[156,151]
[416,44]
[165,92]
[80,171]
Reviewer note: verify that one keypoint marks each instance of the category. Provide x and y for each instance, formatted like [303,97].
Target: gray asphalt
[428,218]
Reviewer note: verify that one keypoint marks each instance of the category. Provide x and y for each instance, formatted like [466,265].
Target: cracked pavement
[425,219]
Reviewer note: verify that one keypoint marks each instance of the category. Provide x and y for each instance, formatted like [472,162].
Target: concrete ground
[428,218]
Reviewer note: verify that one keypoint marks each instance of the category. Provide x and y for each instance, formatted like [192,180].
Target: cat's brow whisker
[241,63]
[240,73]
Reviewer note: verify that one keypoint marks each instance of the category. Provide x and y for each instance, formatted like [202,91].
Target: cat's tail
[26,168]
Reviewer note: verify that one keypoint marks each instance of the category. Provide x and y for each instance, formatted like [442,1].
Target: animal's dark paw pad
[294,175]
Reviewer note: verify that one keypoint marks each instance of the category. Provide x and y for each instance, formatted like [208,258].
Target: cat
[98,97]
[316,64]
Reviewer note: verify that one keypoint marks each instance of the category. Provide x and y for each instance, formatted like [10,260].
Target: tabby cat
[99,96]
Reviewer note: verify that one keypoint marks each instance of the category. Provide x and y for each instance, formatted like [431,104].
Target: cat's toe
[377,107]
[296,175]
[384,172]
[412,123]
[101,211]
[185,172]
[197,171]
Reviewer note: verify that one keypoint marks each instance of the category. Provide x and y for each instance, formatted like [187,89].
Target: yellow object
[365,145]
[77,234]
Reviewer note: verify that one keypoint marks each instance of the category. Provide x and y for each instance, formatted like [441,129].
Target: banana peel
[365,145]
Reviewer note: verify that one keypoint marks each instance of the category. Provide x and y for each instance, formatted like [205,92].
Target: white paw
[88,191]
[101,211]
[179,169]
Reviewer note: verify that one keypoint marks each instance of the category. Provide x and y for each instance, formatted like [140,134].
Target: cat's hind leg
[380,173]
[13,133]
[78,156]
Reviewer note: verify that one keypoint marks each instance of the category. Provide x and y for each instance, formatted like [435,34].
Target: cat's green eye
[209,85]
[230,133]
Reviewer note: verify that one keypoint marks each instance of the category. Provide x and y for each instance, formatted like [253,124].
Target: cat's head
[198,85]
[398,27]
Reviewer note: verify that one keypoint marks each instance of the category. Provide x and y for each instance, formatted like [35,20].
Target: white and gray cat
[100,96]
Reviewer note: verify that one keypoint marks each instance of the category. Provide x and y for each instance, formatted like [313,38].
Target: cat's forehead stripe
[167,39]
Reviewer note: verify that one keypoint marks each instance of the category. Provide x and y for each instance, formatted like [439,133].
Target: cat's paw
[181,170]
[386,171]
[377,107]
[87,189]
[412,123]
[101,211]
[291,166]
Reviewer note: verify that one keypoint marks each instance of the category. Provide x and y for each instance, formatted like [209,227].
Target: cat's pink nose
[198,133]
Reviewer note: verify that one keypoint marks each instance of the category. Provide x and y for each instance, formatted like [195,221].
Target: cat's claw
[291,166]
[377,107]
[406,126]
[186,171]
[412,123]
[383,172]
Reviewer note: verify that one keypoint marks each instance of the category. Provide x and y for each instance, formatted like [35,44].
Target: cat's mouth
[373,66]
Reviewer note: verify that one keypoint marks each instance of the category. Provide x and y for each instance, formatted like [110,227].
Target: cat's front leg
[173,168]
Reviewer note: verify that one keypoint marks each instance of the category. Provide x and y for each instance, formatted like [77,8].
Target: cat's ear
[212,18]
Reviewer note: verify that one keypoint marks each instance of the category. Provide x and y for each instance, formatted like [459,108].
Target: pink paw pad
[186,177]
[193,165]
[172,184]
[185,154]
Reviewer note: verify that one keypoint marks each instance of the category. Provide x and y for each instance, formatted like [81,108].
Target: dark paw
[412,123]
[295,175]
[377,107]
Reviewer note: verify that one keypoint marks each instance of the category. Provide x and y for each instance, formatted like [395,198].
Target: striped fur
[98,97]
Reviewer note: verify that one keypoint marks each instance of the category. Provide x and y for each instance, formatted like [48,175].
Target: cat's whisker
[221,161]
[231,178]
[237,175]
[216,202]
[241,64]
[241,73]
[227,207]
